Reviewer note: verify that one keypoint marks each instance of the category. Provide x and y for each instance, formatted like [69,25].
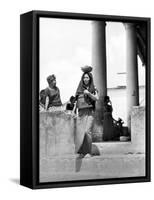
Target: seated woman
[52,93]
[110,129]
[86,96]
[70,105]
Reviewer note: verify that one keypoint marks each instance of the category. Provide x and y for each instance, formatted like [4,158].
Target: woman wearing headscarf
[112,129]
[86,96]
[52,93]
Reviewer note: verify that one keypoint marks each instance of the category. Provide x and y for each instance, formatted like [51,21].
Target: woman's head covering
[90,87]
[106,99]
[81,87]
[50,78]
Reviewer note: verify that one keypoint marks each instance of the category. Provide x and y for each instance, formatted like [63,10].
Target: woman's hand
[86,92]
[94,97]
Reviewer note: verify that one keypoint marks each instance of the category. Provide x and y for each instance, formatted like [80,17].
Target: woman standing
[86,96]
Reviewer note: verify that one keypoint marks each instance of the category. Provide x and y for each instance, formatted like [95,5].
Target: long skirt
[83,136]
[108,127]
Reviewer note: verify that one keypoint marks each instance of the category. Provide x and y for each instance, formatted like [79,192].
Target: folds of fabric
[83,131]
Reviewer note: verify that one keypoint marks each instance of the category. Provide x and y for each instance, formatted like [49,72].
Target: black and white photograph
[76,100]
[92,99]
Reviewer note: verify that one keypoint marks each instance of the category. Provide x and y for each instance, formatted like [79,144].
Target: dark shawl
[91,88]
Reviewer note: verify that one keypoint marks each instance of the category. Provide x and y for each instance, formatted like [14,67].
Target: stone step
[120,148]
[67,168]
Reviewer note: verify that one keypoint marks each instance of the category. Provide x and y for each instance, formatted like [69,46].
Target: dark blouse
[86,102]
[108,108]
[54,96]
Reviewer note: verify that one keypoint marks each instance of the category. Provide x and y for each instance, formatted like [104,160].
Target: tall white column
[99,60]
[132,70]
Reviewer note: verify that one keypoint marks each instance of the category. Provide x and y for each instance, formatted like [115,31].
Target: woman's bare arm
[46,103]
[92,96]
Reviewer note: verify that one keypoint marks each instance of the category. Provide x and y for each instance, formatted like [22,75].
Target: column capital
[99,22]
[129,25]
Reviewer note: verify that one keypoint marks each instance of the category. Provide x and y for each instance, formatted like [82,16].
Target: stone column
[131,70]
[99,60]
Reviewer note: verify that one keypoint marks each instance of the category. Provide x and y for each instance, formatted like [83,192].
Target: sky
[66,46]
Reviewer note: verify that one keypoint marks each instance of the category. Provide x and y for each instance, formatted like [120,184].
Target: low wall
[56,134]
[60,134]
[138,128]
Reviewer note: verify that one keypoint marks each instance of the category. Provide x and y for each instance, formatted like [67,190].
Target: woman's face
[86,79]
[53,83]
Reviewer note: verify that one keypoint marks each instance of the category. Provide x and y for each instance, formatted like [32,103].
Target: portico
[134,45]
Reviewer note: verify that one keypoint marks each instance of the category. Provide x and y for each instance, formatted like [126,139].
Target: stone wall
[59,138]
[138,129]
[62,133]
[56,134]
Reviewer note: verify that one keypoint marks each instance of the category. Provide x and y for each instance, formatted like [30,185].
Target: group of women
[85,104]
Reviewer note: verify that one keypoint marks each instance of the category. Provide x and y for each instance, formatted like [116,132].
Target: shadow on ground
[15,180]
